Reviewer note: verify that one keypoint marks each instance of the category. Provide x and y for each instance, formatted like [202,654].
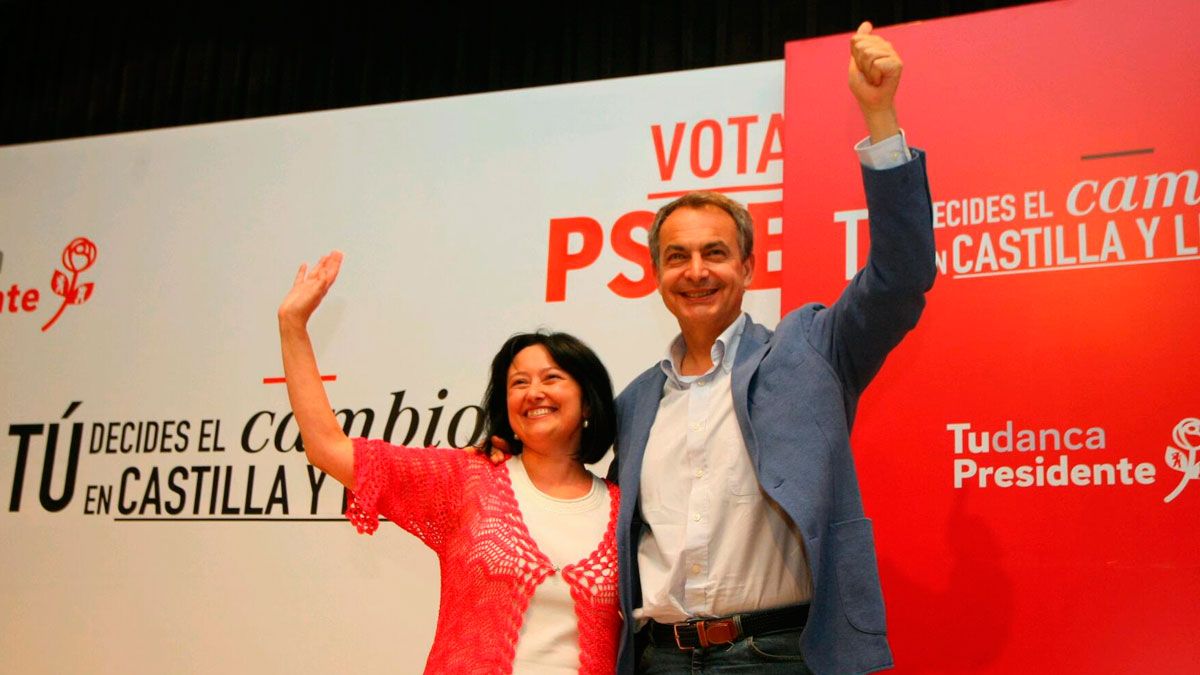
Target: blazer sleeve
[886,297]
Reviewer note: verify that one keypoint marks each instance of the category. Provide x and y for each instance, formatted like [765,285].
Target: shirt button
[696,517]
[695,569]
[701,383]
[699,473]
[697,426]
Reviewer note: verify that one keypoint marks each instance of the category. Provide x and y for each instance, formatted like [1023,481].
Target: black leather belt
[725,630]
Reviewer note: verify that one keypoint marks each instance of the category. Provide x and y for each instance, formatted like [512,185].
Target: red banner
[1029,453]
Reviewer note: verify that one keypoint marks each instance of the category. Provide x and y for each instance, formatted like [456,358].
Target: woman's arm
[325,444]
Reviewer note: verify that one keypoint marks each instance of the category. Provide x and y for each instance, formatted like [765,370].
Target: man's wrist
[881,124]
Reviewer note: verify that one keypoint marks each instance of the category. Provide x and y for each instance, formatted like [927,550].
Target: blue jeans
[767,654]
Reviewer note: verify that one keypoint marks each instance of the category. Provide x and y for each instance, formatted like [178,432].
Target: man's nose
[696,268]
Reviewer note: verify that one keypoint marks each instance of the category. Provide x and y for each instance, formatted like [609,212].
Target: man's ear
[748,263]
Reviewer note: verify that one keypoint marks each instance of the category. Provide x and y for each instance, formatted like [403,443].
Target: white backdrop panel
[442,208]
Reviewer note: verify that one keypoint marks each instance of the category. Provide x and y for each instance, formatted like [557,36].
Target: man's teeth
[700,294]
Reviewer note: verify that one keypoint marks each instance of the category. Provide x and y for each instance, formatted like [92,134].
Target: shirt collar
[723,353]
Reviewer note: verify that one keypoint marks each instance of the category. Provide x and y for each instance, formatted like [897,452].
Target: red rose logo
[79,255]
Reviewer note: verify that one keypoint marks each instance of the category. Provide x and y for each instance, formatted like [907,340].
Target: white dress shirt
[716,545]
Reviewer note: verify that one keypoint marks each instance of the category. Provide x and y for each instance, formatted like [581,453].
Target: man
[742,538]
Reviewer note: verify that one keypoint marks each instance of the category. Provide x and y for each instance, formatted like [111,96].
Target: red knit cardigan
[462,506]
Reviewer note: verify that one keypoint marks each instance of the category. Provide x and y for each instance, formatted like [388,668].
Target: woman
[527,547]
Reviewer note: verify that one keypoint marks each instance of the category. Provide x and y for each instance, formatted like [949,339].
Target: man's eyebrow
[704,247]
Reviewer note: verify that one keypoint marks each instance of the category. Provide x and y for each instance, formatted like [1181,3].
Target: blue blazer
[794,394]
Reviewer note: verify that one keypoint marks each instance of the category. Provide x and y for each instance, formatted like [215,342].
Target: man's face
[701,274]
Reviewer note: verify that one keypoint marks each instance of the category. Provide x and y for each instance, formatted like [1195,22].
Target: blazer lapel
[751,350]
[641,411]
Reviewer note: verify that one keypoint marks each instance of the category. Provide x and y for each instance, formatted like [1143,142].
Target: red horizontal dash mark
[735,188]
[282,380]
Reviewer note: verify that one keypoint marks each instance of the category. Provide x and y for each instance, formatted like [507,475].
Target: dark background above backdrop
[78,71]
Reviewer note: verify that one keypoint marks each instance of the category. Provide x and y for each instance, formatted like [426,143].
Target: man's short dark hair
[573,356]
[696,200]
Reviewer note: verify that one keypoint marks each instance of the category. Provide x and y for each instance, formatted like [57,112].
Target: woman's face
[545,404]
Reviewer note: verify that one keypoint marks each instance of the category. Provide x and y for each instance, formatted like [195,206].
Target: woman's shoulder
[469,459]
[614,491]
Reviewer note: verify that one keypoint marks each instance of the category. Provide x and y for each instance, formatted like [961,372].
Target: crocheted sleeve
[419,489]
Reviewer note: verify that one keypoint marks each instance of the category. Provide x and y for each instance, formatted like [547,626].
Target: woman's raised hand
[325,444]
[309,289]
